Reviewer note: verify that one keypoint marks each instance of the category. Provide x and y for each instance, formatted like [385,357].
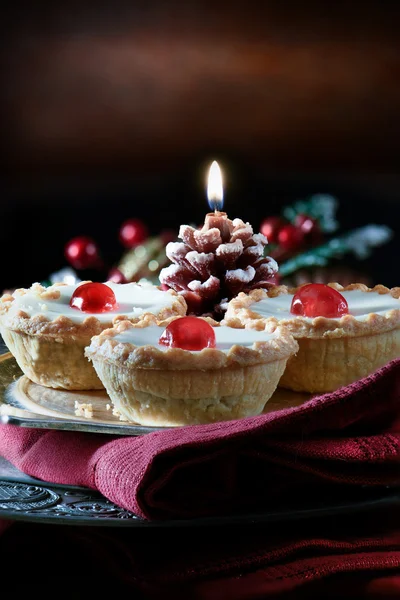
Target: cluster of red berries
[83,252]
[290,237]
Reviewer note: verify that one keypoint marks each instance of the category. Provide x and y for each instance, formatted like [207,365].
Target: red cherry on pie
[93,298]
[188,333]
[319,300]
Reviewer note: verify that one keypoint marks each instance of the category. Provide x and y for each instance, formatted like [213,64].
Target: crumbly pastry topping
[84,409]
[136,345]
[371,310]
[45,311]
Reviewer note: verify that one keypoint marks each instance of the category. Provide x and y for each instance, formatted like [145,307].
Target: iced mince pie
[47,329]
[189,370]
[344,333]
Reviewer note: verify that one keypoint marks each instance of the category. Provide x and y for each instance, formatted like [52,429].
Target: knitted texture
[348,438]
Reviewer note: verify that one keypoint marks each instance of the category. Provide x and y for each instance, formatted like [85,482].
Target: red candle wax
[219,220]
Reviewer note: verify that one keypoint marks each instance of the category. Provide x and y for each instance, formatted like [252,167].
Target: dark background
[116,111]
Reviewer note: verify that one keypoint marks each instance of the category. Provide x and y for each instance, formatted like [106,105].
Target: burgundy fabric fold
[350,437]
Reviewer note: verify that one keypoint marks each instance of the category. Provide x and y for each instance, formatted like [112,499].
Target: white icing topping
[133,299]
[225,337]
[360,304]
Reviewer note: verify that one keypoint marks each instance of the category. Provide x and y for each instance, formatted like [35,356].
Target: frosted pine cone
[212,265]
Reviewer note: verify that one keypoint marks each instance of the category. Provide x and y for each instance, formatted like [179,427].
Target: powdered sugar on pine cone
[213,264]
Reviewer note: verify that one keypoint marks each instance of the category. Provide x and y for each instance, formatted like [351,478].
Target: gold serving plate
[28,404]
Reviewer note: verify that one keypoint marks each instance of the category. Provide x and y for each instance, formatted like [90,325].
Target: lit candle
[215,196]
[215,262]
[215,189]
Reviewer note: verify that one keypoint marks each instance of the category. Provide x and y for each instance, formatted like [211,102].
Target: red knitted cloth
[350,438]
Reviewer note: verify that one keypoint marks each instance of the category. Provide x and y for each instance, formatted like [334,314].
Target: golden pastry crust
[64,326]
[332,352]
[167,399]
[326,364]
[240,313]
[51,351]
[281,346]
[55,362]
[173,386]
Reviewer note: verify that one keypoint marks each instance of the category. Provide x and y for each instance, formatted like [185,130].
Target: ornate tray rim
[38,421]
[24,498]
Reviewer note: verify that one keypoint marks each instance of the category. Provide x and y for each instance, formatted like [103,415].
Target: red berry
[82,253]
[309,227]
[319,300]
[132,233]
[93,298]
[270,227]
[116,276]
[290,237]
[188,333]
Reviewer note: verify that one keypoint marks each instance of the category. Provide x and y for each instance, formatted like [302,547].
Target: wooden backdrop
[294,86]
[114,110]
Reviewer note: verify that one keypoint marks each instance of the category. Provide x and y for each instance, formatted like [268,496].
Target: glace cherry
[93,298]
[319,300]
[188,333]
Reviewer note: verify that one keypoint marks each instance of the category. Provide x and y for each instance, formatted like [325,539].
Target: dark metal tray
[28,499]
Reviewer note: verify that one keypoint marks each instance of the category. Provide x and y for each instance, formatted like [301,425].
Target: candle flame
[215,192]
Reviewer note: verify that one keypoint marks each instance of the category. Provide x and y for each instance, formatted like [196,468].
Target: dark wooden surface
[136,86]
[116,111]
